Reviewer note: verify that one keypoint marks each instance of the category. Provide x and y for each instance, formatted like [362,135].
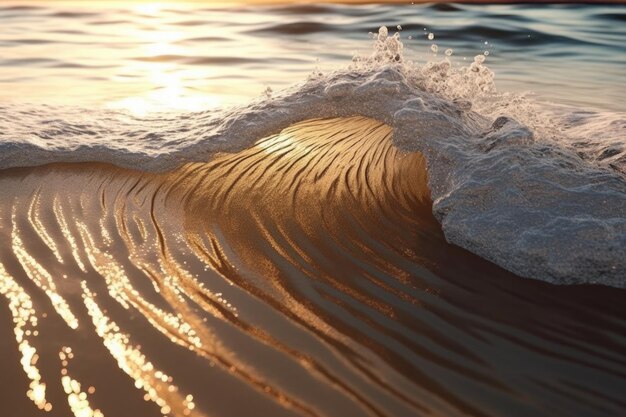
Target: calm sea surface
[168,56]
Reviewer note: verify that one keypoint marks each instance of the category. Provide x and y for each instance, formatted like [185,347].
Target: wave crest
[517,194]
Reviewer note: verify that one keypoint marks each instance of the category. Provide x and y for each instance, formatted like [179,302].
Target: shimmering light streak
[35,219]
[25,320]
[40,276]
[120,288]
[60,216]
[158,386]
[76,398]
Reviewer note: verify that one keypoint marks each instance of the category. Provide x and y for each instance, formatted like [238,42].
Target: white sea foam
[535,188]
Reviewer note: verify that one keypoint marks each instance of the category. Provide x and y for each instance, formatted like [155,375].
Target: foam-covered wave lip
[534,208]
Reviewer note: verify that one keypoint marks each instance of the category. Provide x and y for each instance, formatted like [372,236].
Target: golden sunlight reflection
[40,276]
[34,217]
[63,225]
[120,288]
[158,386]
[149,8]
[164,81]
[76,398]
[165,85]
[140,56]
[121,236]
[25,320]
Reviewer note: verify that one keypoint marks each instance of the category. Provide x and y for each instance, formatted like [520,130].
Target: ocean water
[146,56]
[312,210]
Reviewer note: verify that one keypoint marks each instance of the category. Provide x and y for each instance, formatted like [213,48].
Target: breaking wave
[297,252]
[536,190]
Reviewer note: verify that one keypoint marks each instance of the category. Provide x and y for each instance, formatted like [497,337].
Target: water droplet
[448,52]
[399,27]
[434,48]
[431,36]
[383,33]
[486,53]
[410,37]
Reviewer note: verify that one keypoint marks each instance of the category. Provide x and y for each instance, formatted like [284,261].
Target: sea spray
[499,188]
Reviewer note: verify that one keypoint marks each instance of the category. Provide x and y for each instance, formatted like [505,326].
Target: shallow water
[305,275]
[371,241]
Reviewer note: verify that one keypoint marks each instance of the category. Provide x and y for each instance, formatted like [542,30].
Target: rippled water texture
[162,254]
[153,56]
[303,276]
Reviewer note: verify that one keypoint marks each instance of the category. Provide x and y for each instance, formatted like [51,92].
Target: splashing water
[304,252]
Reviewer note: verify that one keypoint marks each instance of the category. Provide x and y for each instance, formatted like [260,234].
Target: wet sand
[303,276]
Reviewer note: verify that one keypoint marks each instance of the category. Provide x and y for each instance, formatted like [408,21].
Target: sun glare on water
[142,57]
[164,81]
[149,8]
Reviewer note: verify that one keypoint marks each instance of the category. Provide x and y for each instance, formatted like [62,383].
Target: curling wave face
[305,274]
[544,200]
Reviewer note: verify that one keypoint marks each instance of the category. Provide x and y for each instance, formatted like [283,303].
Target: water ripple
[306,274]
